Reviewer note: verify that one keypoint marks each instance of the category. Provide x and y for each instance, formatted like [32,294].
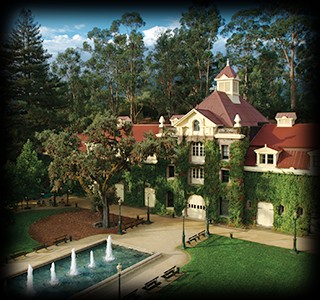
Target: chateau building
[262,175]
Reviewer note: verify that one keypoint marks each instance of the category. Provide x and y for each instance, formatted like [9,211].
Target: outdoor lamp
[295,217]
[119,269]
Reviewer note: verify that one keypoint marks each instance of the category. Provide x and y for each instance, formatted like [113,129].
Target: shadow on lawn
[218,241]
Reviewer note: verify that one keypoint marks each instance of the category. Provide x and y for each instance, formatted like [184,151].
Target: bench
[60,239]
[170,272]
[202,232]
[39,247]
[131,295]
[134,223]
[151,284]
[17,254]
[192,238]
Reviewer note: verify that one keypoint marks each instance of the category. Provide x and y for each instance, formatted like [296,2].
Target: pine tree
[33,101]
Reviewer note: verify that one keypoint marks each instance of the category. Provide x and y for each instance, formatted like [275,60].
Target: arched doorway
[196,208]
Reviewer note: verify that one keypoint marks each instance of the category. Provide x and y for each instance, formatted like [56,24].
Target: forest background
[273,47]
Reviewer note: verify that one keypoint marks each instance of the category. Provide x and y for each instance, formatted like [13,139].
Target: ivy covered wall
[243,191]
[287,190]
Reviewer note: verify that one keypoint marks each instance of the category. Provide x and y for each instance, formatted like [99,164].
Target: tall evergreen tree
[33,102]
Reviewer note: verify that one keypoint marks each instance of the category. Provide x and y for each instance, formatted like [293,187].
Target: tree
[68,66]
[165,67]
[134,57]
[199,29]
[245,42]
[287,33]
[98,165]
[33,102]
[26,176]
[116,67]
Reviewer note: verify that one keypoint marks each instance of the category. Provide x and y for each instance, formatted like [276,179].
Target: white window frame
[196,175]
[267,157]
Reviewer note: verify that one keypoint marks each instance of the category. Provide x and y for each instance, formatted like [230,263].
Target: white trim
[231,136]
[277,170]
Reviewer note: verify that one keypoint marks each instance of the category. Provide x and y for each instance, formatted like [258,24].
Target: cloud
[151,35]
[79,26]
[59,43]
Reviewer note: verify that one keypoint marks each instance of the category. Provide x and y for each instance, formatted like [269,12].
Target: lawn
[18,232]
[221,266]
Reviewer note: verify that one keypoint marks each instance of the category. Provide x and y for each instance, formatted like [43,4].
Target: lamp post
[148,211]
[183,246]
[295,217]
[207,233]
[119,221]
[119,269]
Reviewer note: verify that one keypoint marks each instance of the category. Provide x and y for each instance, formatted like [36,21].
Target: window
[300,211]
[223,206]
[170,201]
[227,87]
[224,175]
[316,161]
[236,87]
[170,171]
[197,173]
[266,159]
[225,151]
[280,209]
[197,149]
[196,125]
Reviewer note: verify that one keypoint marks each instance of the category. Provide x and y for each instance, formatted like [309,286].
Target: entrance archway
[196,207]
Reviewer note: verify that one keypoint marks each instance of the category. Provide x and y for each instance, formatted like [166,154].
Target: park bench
[201,233]
[131,295]
[192,238]
[151,284]
[60,239]
[16,254]
[39,247]
[170,272]
[134,223]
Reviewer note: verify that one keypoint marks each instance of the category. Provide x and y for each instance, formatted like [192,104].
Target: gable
[193,115]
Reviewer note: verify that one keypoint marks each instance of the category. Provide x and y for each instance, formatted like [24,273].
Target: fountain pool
[73,274]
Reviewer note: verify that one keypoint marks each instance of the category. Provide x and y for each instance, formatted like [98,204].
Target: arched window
[196,125]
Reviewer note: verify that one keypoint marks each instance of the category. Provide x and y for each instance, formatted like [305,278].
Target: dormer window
[196,125]
[267,157]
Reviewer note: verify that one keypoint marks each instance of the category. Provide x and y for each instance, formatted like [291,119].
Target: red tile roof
[220,105]
[295,142]
[228,71]
[297,136]
[138,130]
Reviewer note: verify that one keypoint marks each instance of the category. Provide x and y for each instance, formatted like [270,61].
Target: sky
[66,25]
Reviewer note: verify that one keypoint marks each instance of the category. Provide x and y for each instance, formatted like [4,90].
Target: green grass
[17,233]
[225,267]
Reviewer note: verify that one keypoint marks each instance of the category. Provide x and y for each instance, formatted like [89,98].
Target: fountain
[30,290]
[73,266]
[92,264]
[39,283]
[54,280]
[109,255]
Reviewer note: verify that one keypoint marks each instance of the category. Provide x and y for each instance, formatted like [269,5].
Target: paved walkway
[163,236]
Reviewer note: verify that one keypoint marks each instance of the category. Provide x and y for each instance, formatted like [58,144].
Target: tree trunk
[292,81]
[105,213]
